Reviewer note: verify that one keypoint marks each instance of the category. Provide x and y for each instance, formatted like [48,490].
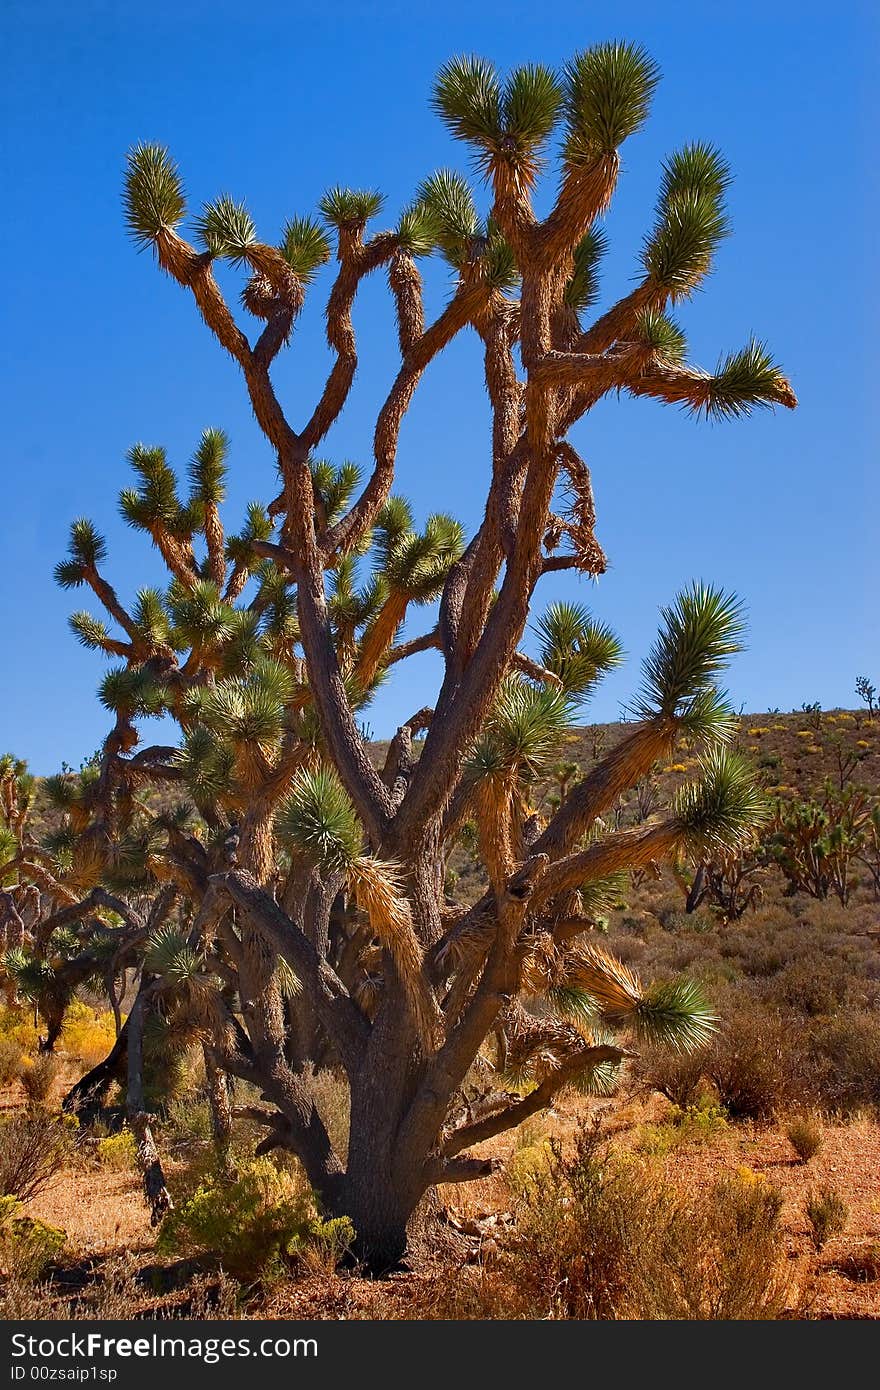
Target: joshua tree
[867,693]
[266,647]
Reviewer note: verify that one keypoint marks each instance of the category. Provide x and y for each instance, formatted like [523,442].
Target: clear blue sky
[275,102]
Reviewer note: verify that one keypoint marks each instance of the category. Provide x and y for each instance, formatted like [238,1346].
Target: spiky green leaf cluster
[91,632]
[334,485]
[582,289]
[700,632]
[87,549]
[151,618]
[247,710]
[449,208]
[319,820]
[675,1014]
[153,199]
[467,98]
[416,230]
[464,239]
[504,122]
[523,733]
[155,501]
[305,247]
[691,220]
[226,229]
[576,648]
[744,381]
[200,617]
[350,208]
[207,469]
[663,335]
[724,807]
[178,965]
[416,563]
[131,691]
[608,91]
[258,527]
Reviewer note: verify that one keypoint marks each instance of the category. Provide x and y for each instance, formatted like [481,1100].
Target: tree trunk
[220,1102]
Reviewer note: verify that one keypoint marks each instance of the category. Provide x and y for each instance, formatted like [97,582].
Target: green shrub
[189,1119]
[805,1136]
[27,1245]
[827,1214]
[117,1151]
[254,1223]
[695,1124]
[526,1164]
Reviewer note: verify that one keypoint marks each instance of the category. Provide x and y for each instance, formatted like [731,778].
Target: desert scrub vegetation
[703,1123]
[827,1213]
[603,1235]
[27,1245]
[34,1148]
[11,1060]
[38,1076]
[805,1135]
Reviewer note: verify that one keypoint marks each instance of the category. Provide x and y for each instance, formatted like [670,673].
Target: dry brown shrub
[33,1150]
[38,1078]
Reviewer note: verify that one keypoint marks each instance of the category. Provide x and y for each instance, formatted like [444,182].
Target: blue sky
[105,351]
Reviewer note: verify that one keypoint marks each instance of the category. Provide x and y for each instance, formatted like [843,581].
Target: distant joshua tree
[867,693]
[318,930]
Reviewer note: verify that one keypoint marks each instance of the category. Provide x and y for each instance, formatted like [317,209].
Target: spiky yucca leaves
[744,381]
[467,96]
[246,713]
[416,563]
[207,469]
[350,208]
[226,228]
[724,807]
[305,247]
[319,822]
[154,503]
[87,551]
[525,729]
[411,568]
[576,648]
[334,485]
[416,230]
[475,248]
[582,289]
[663,336]
[131,691]
[154,199]
[608,91]
[674,1013]
[691,220]
[700,632]
[518,744]
[507,124]
[183,975]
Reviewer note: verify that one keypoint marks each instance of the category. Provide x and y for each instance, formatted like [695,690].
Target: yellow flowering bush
[88,1033]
